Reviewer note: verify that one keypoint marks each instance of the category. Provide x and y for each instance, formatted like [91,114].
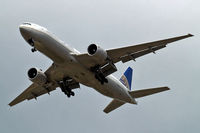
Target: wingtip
[167,88]
[10,104]
[190,35]
[106,112]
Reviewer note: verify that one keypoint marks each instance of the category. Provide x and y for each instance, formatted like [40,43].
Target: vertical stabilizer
[126,78]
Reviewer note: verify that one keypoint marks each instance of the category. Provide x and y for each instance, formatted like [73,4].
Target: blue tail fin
[126,79]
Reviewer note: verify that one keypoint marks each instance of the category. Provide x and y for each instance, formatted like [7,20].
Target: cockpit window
[27,23]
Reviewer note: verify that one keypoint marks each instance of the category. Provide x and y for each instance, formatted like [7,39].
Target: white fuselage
[62,56]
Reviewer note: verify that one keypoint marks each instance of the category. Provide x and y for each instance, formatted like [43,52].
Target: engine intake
[92,49]
[98,52]
[37,76]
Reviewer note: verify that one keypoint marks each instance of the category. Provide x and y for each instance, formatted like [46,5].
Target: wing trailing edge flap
[128,53]
[135,55]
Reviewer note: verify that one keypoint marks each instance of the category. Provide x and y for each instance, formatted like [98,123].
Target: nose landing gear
[33,49]
[31,42]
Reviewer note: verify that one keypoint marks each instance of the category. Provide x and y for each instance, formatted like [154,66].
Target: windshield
[27,23]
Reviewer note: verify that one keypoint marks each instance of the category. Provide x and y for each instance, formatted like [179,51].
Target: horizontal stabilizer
[113,105]
[146,92]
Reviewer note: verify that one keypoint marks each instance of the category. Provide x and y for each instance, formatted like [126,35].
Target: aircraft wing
[132,52]
[35,90]
[125,54]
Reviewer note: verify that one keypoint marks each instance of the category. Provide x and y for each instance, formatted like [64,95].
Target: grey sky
[112,23]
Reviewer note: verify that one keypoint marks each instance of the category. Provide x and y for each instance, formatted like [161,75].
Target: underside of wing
[125,54]
[33,91]
[54,79]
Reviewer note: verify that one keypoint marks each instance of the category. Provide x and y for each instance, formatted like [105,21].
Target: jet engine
[98,52]
[37,76]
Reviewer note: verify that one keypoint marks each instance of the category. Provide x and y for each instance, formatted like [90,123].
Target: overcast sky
[109,23]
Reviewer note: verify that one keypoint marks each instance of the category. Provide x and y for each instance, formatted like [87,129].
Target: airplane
[94,69]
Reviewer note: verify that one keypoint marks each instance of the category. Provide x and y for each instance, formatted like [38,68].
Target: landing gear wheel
[106,80]
[96,76]
[33,50]
[72,93]
[68,95]
[101,79]
[65,88]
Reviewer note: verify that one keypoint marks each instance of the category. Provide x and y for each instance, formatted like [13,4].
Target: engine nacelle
[37,76]
[98,52]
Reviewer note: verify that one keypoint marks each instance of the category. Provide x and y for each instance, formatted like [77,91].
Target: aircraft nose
[25,31]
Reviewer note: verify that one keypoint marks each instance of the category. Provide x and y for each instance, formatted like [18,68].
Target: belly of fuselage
[111,89]
[61,55]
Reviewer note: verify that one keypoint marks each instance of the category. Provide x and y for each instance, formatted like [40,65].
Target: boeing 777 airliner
[94,69]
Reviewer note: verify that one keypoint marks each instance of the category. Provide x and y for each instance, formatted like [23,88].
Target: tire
[72,93]
[106,80]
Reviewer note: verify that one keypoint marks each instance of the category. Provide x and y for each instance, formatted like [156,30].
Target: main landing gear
[65,88]
[99,75]
[101,72]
